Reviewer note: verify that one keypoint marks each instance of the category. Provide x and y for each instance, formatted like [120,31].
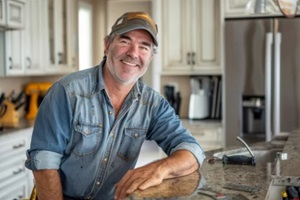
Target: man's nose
[133,51]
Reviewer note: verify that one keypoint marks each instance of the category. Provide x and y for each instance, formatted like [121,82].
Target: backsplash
[8,84]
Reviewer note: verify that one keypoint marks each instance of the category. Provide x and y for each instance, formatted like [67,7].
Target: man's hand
[180,163]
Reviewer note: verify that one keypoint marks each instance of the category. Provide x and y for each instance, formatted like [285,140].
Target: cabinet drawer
[15,190]
[11,146]
[11,171]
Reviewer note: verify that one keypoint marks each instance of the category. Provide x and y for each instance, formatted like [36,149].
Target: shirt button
[112,135]
[110,112]
[98,183]
[105,159]
[100,125]
[136,135]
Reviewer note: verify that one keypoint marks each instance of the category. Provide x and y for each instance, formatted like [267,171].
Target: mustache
[131,60]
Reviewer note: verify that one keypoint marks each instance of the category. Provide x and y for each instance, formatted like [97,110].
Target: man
[91,125]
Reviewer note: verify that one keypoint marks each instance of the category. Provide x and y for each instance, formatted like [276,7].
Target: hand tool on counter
[245,188]
[240,159]
[2,98]
[34,91]
[11,116]
[3,109]
[220,196]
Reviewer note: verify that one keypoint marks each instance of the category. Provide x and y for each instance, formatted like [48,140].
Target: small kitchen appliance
[199,98]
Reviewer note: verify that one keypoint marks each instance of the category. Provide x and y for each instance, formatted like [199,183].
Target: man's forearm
[180,163]
[48,185]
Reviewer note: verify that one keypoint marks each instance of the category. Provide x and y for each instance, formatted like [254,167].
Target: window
[85,35]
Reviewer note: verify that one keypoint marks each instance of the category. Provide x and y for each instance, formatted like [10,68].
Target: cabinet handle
[18,146]
[189,58]
[18,171]
[28,62]
[11,62]
[73,62]
[60,58]
[193,58]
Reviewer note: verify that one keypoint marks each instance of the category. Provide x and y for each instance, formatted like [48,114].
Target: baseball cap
[133,21]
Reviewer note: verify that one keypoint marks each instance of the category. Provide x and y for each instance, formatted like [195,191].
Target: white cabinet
[2,13]
[16,181]
[35,42]
[12,14]
[15,13]
[237,8]
[62,36]
[191,36]
[207,133]
[48,42]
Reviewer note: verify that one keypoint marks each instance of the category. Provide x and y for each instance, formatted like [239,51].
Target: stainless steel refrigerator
[262,78]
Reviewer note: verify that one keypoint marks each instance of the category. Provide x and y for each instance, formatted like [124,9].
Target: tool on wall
[35,93]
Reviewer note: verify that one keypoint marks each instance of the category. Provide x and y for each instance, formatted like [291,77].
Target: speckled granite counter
[213,177]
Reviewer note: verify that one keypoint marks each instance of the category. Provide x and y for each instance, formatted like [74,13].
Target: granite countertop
[214,176]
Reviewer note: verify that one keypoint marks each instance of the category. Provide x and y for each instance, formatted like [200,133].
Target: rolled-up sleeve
[195,149]
[169,133]
[38,160]
[51,132]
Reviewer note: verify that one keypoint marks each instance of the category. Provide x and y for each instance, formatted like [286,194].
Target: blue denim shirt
[76,131]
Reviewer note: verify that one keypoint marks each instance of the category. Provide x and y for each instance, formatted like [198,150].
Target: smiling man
[91,125]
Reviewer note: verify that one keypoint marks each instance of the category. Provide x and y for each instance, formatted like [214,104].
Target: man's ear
[106,44]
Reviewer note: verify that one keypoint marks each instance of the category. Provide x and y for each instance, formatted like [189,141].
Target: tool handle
[238,160]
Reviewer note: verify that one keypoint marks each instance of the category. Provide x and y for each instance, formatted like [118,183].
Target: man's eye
[145,48]
[124,41]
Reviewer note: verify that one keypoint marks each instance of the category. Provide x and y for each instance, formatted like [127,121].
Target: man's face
[129,55]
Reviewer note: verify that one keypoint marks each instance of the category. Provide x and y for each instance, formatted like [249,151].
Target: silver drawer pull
[18,146]
[18,171]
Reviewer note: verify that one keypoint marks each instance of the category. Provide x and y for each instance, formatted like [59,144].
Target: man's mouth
[129,63]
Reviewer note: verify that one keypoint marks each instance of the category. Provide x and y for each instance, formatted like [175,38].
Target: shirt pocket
[86,139]
[131,143]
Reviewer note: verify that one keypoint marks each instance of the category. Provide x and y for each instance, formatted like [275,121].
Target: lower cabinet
[16,182]
[208,134]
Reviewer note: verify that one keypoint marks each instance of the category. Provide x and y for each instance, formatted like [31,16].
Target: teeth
[127,63]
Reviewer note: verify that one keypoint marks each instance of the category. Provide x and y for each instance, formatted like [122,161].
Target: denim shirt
[76,132]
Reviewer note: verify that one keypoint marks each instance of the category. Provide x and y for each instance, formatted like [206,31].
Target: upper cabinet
[244,8]
[12,14]
[191,36]
[48,42]
[62,34]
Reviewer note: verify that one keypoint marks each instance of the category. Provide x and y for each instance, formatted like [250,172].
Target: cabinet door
[191,36]
[14,41]
[72,34]
[205,34]
[15,13]
[35,40]
[2,12]
[235,7]
[176,28]
[62,19]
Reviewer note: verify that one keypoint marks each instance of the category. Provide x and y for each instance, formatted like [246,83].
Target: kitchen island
[252,182]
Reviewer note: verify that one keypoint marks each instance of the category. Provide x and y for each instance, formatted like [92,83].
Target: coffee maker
[199,98]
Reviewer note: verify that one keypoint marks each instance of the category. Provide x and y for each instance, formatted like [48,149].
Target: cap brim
[135,27]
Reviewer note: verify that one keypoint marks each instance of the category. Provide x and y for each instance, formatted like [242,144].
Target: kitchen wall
[8,84]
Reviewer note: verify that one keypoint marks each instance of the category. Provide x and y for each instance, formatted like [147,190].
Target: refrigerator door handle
[268,84]
[277,55]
